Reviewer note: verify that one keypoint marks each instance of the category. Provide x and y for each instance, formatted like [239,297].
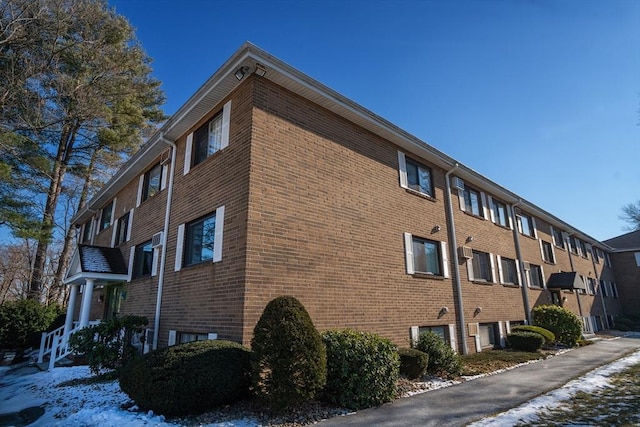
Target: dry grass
[494,360]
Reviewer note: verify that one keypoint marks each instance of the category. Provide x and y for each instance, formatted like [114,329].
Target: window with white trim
[152,182]
[509,271]
[207,140]
[573,245]
[594,254]
[481,267]
[122,229]
[583,248]
[184,337]
[603,288]
[548,255]
[472,201]
[614,290]
[558,238]
[442,331]
[419,177]
[583,290]
[200,240]
[637,256]
[536,279]
[86,231]
[500,215]
[487,334]
[143,260]
[106,216]
[526,224]
[425,256]
[591,285]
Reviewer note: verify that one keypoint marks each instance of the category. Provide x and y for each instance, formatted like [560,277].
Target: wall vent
[165,157]
[458,183]
[465,252]
[526,266]
[156,240]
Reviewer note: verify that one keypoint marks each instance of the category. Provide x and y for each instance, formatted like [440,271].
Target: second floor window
[152,182]
[535,276]
[472,201]
[481,266]
[426,256]
[558,239]
[207,140]
[143,260]
[525,224]
[122,230]
[547,252]
[105,219]
[419,178]
[500,213]
[199,241]
[86,232]
[509,271]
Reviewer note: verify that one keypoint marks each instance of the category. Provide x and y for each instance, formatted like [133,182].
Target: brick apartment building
[267,183]
[625,259]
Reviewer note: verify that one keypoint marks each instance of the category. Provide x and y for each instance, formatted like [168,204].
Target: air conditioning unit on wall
[526,266]
[465,252]
[458,183]
[156,240]
[165,157]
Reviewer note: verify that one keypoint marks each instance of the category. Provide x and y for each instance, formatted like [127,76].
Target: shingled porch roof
[97,263]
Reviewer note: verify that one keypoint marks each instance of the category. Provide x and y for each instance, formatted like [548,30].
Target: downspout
[573,270]
[523,281]
[453,247]
[163,256]
[595,271]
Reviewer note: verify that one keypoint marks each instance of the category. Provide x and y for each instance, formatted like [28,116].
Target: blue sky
[541,96]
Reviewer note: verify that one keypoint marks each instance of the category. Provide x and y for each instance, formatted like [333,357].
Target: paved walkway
[472,400]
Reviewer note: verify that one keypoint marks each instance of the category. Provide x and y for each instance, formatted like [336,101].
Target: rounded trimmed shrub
[188,378]
[526,341]
[566,326]
[413,363]
[288,360]
[443,360]
[549,337]
[362,369]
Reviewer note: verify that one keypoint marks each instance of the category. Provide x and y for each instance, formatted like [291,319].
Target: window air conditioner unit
[165,157]
[156,240]
[458,183]
[466,252]
[526,266]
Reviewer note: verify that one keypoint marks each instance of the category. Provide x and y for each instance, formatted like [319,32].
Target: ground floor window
[442,331]
[184,337]
[487,335]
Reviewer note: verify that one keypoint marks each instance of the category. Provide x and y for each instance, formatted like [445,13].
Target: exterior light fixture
[436,229]
[443,311]
[241,72]
[469,239]
[260,70]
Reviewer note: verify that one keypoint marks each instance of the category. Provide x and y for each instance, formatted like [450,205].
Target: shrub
[442,359]
[188,378]
[413,363]
[627,322]
[288,361]
[549,337]
[108,344]
[22,321]
[526,341]
[362,369]
[566,326]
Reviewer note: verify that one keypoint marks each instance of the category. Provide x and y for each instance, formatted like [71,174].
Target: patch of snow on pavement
[526,413]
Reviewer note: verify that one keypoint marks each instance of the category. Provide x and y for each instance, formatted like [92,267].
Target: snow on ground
[526,413]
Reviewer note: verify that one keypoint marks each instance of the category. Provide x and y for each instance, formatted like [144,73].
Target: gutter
[523,282]
[163,257]
[453,248]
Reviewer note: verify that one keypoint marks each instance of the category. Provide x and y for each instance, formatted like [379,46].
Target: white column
[86,304]
[71,307]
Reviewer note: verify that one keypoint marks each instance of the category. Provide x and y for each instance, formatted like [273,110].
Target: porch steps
[44,365]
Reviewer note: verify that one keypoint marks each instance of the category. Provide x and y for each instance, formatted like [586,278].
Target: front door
[114,301]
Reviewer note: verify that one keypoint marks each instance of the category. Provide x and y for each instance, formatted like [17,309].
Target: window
[637,255]
[207,140]
[500,213]
[584,289]
[442,331]
[594,254]
[152,182]
[535,276]
[591,285]
[190,337]
[525,224]
[487,332]
[86,232]
[607,259]
[472,201]
[583,248]
[614,290]
[143,260]
[105,219]
[558,239]
[419,178]
[482,266]
[509,271]
[426,257]
[573,245]
[200,238]
[603,288]
[122,231]
[547,252]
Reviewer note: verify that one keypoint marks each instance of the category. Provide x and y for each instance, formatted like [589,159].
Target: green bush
[362,369]
[566,326]
[413,363]
[188,378]
[442,359]
[526,341]
[627,322]
[288,360]
[549,337]
[22,321]
[108,344]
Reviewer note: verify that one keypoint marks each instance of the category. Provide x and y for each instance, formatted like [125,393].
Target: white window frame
[492,269]
[409,263]
[217,242]
[226,118]
[404,177]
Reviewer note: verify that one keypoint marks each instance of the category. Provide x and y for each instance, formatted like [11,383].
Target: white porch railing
[56,345]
